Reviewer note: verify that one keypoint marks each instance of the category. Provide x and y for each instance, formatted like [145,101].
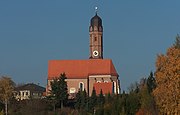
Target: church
[94,72]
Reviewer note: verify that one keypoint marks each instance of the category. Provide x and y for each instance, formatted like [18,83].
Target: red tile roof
[106,87]
[80,68]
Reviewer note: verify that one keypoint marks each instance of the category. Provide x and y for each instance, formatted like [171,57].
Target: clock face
[95,53]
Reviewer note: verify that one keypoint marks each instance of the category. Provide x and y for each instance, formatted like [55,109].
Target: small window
[98,81]
[81,86]
[95,28]
[26,93]
[72,90]
[95,38]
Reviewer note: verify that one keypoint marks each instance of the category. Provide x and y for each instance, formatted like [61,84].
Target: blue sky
[35,31]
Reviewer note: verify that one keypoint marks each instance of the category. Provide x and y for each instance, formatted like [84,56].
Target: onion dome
[96,22]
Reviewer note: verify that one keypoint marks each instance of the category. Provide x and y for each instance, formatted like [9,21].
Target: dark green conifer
[93,100]
[151,83]
[78,100]
[101,98]
[59,89]
[177,42]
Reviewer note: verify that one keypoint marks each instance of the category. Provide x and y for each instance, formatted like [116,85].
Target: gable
[105,87]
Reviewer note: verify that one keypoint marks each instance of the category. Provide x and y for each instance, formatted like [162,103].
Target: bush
[2,112]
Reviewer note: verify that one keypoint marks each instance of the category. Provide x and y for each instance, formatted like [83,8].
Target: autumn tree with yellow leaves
[6,91]
[167,75]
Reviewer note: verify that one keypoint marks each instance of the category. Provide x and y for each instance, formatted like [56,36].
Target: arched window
[81,86]
[114,87]
[91,28]
[100,29]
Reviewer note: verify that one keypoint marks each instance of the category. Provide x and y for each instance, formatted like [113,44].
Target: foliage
[1,106]
[134,87]
[100,103]
[59,89]
[1,112]
[151,83]
[6,88]
[78,100]
[101,98]
[167,94]
[6,91]
[132,103]
[147,102]
[177,42]
[81,100]
[93,100]
[30,107]
[84,99]
[37,107]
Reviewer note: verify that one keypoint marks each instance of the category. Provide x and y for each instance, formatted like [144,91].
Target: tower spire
[96,37]
[96,9]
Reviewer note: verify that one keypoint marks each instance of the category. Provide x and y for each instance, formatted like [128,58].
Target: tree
[101,101]
[151,83]
[93,100]
[59,89]
[101,98]
[167,75]
[146,101]
[177,42]
[132,103]
[81,101]
[1,106]
[6,91]
[78,100]
[84,99]
[133,88]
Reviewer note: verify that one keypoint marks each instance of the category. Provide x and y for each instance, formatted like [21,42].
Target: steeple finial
[96,10]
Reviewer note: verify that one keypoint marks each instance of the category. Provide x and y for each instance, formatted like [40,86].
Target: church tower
[96,37]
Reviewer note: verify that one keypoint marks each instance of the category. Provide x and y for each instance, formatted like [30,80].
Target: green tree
[84,99]
[108,98]
[93,100]
[59,89]
[151,83]
[132,103]
[133,99]
[177,42]
[134,87]
[1,106]
[6,91]
[101,101]
[101,98]
[78,100]
[147,101]
[81,101]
